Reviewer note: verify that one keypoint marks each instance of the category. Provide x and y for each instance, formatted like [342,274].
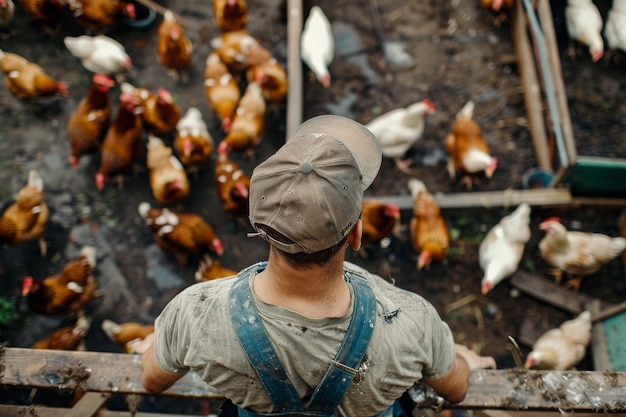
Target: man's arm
[453,385]
[154,378]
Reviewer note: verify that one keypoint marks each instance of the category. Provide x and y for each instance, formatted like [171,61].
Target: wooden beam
[532,89]
[511,389]
[294,64]
[487,199]
[600,349]
[547,24]
[41,411]
[89,404]
[550,292]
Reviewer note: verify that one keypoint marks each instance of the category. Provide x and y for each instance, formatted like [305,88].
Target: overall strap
[259,349]
[262,356]
[333,386]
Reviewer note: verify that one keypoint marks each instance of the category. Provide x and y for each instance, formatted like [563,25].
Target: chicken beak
[485,288]
[218,247]
[491,168]
[27,285]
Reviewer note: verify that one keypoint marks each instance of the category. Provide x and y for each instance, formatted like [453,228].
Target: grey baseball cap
[311,189]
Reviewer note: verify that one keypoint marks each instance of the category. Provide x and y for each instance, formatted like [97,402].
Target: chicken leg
[574,283]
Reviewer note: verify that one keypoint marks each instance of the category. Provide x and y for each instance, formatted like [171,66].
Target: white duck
[502,248]
[584,24]
[317,45]
[99,54]
[397,130]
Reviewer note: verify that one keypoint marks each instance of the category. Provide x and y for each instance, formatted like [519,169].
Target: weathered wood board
[510,389]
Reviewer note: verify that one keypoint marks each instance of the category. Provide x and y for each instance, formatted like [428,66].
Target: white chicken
[193,141]
[317,45]
[7,10]
[502,248]
[577,253]
[100,54]
[584,25]
[397,130]
[615,26]
[563,347]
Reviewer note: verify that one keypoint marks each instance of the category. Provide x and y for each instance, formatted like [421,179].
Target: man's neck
[317,292]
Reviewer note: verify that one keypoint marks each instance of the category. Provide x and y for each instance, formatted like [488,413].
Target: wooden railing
[101,375]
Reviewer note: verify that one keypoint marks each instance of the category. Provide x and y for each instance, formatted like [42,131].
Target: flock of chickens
[118,134]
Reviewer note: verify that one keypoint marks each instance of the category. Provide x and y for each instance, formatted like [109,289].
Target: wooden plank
[547,24]
[489,389]
[532,90]
[118,373]
[529,390]
[89,404]
[41,411]
[601,360]
[500,413]
[294,65]
[552,293]
[487,199]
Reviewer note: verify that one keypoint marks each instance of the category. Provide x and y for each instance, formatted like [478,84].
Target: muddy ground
[456,54]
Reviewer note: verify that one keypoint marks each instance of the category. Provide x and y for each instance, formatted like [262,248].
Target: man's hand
[474,361]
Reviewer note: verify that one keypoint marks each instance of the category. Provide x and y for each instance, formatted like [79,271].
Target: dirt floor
[456,54]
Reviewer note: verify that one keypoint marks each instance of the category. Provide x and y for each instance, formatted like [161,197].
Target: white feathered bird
[563,347]
[615,26]
[502,248]
[397,130]
[99,54]
[584,24]
[317,45]
[7,10]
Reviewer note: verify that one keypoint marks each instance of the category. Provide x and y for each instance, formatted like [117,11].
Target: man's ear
[355,235]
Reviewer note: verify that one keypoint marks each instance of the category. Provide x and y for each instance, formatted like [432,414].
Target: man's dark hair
[303,260]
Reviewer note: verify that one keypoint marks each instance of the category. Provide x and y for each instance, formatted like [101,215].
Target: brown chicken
[168,179]
[563,347]
[272,79]
[179,233]
[159,112]
[193,142]
[130,335]
[578,254]
[468,152]
[174,49]
[122,144]
[248,122]
[220,89]
[67,292]
[379,220]
[26,80]
[90,121]
[47,12]
[239,50]
[67,337]
[233,186]
[25,220]
[210,269]
[429,231]
[96,16]
[230,14]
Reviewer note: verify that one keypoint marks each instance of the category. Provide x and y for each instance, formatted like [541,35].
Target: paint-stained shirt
[194,332]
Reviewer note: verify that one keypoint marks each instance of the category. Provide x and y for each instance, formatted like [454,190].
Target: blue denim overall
[262,356]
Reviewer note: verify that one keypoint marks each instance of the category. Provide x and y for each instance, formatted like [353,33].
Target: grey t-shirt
[409,341]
